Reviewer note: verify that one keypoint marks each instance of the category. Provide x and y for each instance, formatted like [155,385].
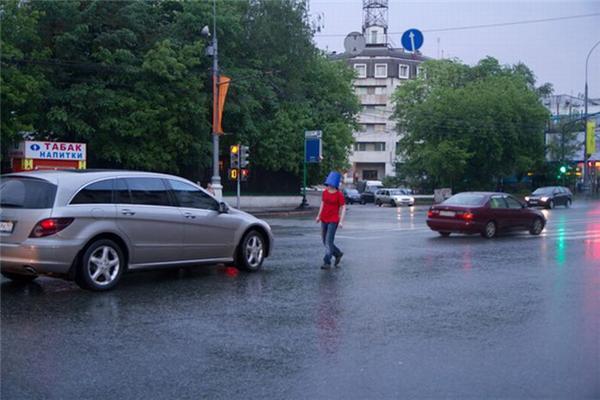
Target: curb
[283,213]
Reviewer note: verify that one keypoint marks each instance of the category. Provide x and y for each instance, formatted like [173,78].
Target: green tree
[132,79]
[467,127]
[22,81]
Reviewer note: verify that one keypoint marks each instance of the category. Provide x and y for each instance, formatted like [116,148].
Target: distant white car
[394,197]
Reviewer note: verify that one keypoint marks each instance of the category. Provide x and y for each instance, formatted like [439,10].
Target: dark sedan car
[550,196]
[351,196]
[484,213]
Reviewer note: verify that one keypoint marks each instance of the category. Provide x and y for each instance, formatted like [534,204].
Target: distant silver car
[92,226]
[394,197]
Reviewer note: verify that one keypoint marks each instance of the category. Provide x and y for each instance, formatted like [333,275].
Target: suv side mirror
[223,208]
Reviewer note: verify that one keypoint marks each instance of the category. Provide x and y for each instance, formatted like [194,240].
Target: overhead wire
[481,26]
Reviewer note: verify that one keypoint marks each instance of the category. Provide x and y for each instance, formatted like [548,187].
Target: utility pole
[216,178]
[586,169]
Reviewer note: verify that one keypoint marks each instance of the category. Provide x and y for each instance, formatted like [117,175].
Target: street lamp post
[586,170]
[213,51]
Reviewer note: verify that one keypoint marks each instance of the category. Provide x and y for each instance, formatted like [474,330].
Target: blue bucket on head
[333,179]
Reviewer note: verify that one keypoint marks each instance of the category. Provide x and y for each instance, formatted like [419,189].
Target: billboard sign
[41,150]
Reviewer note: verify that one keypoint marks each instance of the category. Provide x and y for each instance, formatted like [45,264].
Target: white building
[564,105]
[564,108]
[380,69]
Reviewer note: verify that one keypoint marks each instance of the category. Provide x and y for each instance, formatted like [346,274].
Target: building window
[361,70]
[369,146]
[369,174]
[360,146]
[420,72]
[403,71]
[380,70]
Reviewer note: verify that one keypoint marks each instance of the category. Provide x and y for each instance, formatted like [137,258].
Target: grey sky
[555,51]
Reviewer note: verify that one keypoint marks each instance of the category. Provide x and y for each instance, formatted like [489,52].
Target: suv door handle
[127,211]
[189,215]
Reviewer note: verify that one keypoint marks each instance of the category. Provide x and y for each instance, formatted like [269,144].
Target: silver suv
[92,226]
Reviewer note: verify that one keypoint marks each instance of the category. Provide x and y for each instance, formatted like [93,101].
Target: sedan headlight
[544,199]
[526,198]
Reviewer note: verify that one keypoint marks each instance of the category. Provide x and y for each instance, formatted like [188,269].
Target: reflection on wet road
[409,314]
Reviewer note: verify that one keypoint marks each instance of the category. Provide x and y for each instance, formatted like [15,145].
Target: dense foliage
[467,127]
[131,78]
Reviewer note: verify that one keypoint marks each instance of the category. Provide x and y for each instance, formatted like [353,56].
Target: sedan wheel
[490,230]
[568,203]
[101,266]
[393,204]
[537,227]
[251,251]
[444,234]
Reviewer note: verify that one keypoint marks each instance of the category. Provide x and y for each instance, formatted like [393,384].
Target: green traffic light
[563,169]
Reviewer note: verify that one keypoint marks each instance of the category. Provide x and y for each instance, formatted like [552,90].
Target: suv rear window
[95,193]
[21,192]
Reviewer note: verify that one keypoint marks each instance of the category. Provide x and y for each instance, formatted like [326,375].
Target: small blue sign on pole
[313,146]
[412,40]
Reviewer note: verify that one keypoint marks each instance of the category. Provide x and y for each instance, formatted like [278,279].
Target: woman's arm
[318,219]
[342,215]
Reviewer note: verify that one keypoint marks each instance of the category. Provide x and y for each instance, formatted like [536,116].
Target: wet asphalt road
[408,315]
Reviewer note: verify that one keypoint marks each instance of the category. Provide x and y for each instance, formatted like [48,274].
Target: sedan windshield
[352,191]
[397,192]
[543,190]
[465,199]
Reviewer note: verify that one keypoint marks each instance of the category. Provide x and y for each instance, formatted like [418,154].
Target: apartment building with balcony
[380,69]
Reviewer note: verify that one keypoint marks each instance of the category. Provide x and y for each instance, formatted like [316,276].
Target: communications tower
[375,22]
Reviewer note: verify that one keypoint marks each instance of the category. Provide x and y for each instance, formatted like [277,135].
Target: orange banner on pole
[218,106]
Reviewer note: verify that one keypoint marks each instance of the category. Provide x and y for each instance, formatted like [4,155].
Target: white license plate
[6,226]
[447,213]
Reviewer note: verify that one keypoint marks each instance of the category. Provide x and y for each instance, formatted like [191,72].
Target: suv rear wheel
[101,266]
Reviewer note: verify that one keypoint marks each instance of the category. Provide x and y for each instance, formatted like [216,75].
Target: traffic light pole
[304,203]
[239,178]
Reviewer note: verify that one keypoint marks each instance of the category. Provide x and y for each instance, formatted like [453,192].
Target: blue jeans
[328,236]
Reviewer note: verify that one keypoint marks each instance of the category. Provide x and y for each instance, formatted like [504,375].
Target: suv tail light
[50,226]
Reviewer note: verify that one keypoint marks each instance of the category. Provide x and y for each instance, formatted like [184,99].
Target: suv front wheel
[251,251]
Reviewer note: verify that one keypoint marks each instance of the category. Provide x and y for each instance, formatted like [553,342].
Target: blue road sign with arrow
[412,40]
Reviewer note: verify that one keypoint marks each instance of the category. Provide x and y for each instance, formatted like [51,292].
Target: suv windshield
[465,199]
[397,192]
[20,192]
[543,190]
